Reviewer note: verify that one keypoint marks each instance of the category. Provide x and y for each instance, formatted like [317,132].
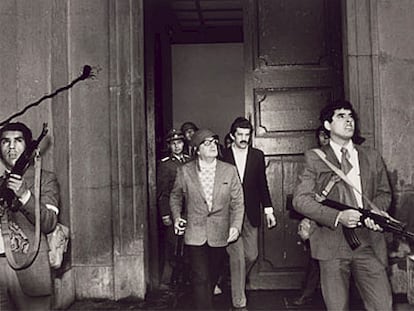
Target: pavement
[257,300]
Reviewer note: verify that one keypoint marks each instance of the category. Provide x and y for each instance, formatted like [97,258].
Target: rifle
[387,223]
[7,197]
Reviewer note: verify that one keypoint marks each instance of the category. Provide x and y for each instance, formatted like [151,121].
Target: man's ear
[232,136]
[327,125]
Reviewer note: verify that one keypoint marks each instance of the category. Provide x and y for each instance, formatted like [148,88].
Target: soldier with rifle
[29,209]
[344,241]
[173,256]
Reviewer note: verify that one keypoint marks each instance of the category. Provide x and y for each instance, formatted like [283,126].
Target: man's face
[323,138]
[208,149]
[188,134]
[176,147]
[12,146]
[241,138]
[342,126]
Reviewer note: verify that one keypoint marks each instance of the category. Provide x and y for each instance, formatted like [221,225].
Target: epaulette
[165,159]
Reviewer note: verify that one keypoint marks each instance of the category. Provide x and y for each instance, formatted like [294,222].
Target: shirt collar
[206,165]
[177,157]
[337,147]
[239,150]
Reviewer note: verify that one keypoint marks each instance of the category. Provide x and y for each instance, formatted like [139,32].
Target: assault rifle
[7,197]
[387,223]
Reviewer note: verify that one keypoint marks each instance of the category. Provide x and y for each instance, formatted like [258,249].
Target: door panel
[293,67]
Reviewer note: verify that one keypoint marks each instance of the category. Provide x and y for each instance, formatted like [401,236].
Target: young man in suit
[214,207]
[338,259]
[251,169]
[29,288]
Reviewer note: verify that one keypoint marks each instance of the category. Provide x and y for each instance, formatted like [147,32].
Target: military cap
[174,134]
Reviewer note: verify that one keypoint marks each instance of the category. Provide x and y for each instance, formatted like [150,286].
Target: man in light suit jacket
[29,288]
[251,169]
[212,216]
[364,167]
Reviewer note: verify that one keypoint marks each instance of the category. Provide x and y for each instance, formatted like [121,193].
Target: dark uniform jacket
[167,170]
[255,188]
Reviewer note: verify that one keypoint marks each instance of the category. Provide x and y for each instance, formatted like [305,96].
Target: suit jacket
[167,170]
[227,208]
[36,280]
[326,238]
[255,188]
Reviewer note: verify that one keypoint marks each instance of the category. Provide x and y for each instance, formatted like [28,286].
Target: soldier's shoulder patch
[165,159]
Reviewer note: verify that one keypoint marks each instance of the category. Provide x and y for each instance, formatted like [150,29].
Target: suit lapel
[218,180]
[363,167]
[249,160]
[330,155]
[230,157]
[193,172]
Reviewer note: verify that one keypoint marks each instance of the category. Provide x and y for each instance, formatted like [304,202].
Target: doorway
[292,65]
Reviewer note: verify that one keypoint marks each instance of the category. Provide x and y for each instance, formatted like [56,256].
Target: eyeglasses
[208,142]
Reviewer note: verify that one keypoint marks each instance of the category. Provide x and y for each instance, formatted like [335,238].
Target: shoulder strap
[341,174]
[5,223]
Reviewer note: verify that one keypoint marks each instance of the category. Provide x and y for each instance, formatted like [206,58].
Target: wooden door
[293,64]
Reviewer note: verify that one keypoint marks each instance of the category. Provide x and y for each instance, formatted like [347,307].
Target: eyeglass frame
[208,142]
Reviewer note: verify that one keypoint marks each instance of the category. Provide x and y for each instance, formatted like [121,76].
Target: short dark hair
[240,122]
[21,127]
[322,129]
[328,111]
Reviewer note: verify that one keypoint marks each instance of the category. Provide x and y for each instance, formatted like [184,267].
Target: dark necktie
[346,166]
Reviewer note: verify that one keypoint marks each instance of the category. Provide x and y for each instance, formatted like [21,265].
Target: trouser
[243,254]
[370,278]
[311,278]
[12,296]
[205,264]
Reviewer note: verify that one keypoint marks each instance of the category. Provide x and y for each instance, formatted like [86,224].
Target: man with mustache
[251,168]
[28,288]
[338,259]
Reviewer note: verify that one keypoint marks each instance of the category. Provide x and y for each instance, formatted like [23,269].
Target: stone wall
[396,72]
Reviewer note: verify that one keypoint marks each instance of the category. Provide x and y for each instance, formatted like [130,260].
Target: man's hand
[166,220]
[17,184]
[271,220]
[370,224]
[179,226]
[233,234]
[350,218]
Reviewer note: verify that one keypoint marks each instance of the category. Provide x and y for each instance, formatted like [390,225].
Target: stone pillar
[360,50]
[98,131]
[129,149]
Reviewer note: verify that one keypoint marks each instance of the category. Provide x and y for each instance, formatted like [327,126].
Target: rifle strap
[5,223]
[342,175]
